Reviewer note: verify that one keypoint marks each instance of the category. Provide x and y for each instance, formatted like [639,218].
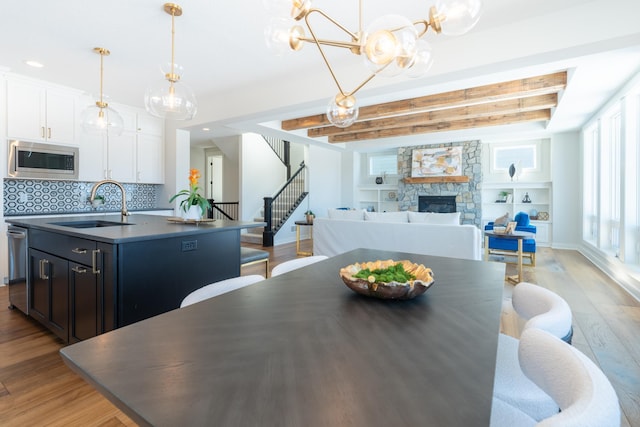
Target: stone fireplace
[465,195]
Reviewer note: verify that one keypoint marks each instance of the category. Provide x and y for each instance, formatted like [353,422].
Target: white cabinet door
[26,115]
[37,113]
[93,161]
[61,114]
[150,159]
[121,160]
[150,125]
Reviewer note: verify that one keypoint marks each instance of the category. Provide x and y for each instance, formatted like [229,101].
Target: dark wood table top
[301,349]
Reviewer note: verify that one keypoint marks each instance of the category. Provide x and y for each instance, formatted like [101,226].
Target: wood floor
[36,388]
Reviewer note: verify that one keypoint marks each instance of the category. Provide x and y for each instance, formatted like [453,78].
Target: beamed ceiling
[518,101]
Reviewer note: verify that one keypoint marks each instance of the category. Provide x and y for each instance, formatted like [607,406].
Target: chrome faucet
[124,213]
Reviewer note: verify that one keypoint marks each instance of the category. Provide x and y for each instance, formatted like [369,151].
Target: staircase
[278,209]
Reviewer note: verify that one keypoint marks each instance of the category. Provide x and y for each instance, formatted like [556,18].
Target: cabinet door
[61,115]
[50,292]
[39,286]
[150,159]
[121,159]
[26,116]
[93,161]
[84,312]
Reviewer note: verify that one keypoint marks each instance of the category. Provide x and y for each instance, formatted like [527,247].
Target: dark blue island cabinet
[80,287]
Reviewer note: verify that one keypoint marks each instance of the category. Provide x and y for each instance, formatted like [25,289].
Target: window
[523,156]
[383,164]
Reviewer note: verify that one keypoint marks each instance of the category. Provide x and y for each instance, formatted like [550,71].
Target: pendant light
[100,118]
[174,100]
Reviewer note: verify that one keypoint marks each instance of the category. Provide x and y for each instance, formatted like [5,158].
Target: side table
[517,235]
[303,224]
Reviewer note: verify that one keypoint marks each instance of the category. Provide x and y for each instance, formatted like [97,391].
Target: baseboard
[613,268]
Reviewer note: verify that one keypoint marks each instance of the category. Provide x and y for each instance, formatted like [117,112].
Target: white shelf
[377,198]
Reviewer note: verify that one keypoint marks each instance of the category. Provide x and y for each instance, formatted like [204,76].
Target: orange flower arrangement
[193,197]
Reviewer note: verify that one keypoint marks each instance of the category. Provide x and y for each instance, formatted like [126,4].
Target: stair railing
[282,149]
[223,210]
[278,209]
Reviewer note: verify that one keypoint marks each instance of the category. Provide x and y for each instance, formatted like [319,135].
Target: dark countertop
[99,211]
[140,228]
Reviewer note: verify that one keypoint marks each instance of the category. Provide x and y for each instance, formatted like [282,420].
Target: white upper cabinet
[40,113]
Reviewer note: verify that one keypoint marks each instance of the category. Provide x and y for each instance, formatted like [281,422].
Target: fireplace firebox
[438,204]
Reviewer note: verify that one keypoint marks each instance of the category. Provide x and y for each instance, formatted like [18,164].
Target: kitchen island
[89,275]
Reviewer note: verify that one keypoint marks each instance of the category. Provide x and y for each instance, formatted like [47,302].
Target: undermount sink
[89,224]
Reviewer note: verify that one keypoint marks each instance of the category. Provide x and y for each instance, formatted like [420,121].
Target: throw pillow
[502,221]
[346,214]
[386,216]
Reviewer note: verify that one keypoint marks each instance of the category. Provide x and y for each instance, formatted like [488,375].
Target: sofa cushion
[452,218]
[386,216]
[346,214]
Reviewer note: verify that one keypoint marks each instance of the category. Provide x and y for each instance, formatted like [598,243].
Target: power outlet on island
[293,228]
[189,245]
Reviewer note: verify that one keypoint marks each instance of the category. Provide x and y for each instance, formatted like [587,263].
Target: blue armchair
[509,247]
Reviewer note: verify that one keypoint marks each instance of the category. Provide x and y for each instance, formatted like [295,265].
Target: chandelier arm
[324,57]
[330,19]
[426,25]
[334,43]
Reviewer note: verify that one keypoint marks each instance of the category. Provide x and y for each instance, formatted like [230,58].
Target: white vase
[193,213]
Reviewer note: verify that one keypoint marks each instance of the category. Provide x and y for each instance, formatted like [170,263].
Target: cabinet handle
[79,251]
[79,270]
[42,131]
[94,261]
[43,275]
[49,133]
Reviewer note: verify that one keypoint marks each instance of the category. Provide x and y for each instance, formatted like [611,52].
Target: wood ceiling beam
[539,85]
[453,114]
[494,120]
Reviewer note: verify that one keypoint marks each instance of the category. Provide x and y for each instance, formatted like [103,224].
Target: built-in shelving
[379,198]
[501,198]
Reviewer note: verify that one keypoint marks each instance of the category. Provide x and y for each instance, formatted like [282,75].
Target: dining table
[302,349]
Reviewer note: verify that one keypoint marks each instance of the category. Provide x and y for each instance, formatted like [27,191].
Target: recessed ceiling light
[206,129]
[34,64]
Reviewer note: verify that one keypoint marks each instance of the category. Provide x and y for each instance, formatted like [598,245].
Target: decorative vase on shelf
[512,171]
[194,213]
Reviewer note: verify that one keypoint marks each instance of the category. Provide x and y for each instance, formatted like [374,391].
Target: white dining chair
[584,394]
[296,263]
[542,309]
[219,288]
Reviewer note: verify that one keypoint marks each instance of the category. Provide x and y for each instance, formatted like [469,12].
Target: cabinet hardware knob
[43,275]
[49,133]
[79,251]
[79,270]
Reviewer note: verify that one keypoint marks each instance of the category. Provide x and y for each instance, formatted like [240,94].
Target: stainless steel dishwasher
[17,280]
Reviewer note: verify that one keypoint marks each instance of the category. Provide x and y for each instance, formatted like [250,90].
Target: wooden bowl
[388,290]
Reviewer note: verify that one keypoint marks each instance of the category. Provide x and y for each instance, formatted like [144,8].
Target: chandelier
[391,45]
[100,118]
[174,100]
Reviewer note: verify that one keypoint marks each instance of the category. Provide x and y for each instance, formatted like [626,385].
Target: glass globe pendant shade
[422,61]
[389,45]
[282,36]
[170,100]
[102,121]
[458,16]
[342,111]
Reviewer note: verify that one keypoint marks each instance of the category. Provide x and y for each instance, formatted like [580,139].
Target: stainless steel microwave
[45,161]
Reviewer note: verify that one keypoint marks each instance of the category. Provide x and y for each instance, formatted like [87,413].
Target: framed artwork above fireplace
[436,162]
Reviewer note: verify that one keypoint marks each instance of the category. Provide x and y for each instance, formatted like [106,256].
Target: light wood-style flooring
[36,388]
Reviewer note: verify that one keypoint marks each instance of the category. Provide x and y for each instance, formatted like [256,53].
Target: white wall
[565,177]
[261,172]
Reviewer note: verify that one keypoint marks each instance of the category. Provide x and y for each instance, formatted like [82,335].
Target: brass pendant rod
[173,34]
[101,71]
[324,58]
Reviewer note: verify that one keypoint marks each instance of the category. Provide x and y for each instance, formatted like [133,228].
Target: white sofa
[413,232]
